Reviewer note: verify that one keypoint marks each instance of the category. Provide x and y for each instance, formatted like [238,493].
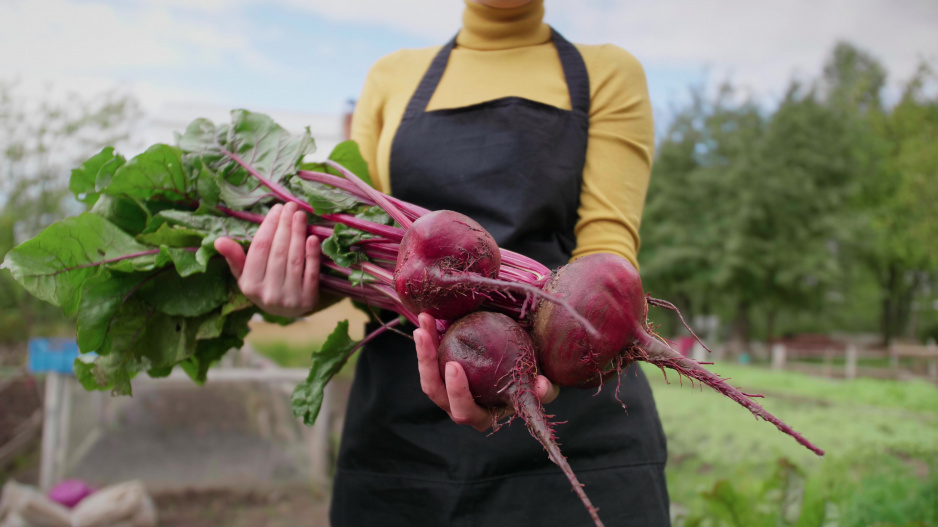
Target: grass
[726,469]
[881,439]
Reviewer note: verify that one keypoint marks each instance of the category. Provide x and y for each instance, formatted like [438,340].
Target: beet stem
[528,406]
[661,355]
[375,196]
[279,190]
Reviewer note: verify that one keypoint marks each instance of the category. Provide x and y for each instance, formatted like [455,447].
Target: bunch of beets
[140,272]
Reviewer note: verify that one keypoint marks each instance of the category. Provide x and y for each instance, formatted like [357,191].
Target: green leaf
[323,198]
[338,246]
[123,212]
[101,297]
[53,265]
[204,223]
[265,145]
[277,319]
[106,174]
[82,182]
[349,156]
[157,172]
[307,396]
[190,296]
[207,353]
[207,185]
[242,196]
[358,277]
[375,214]
[202,137]
[172,236]
[108,373]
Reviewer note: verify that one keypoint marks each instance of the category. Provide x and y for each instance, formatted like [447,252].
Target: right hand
[452,395]
[280,272]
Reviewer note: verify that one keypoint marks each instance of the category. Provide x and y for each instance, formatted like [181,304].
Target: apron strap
[431,79]
[574,71]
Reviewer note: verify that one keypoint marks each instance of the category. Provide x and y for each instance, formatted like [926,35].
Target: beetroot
[448,265]
[438,246]
[607,290]
[499,360]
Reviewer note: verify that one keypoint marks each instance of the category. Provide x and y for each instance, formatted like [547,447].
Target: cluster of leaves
[139,269]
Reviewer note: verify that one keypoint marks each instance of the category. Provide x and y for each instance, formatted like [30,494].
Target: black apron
[515,166]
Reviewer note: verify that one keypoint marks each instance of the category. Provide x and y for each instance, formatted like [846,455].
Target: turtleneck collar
[489,28]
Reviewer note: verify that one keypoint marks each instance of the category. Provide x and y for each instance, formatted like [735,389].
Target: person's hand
[280,272]
[453,396]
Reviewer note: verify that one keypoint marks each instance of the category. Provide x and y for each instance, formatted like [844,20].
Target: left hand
[453,396]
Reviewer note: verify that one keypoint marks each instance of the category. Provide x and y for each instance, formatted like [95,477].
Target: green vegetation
[881,439]
[815,216]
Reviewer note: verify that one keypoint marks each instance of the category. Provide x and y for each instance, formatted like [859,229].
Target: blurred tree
[901,204]
[773,213]
[41,138]
[745,211]
[897,174]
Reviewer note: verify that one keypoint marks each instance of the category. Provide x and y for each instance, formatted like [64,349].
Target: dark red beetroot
[607,290]
[499,360]
[441,245]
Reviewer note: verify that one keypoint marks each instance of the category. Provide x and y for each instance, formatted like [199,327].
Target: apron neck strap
[574,71]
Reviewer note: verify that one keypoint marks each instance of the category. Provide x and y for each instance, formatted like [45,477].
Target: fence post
[933,360]
[893,357]
[698,353]
[319,440]
[51,434]
[851,362]
[778,356]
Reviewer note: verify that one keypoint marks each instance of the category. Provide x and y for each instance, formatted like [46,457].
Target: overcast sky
[312,55]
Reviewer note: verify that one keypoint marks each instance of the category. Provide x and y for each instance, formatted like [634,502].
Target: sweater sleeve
[618,157]
[368,121]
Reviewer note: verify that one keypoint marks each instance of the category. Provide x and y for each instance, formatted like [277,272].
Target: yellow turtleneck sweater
[508,52]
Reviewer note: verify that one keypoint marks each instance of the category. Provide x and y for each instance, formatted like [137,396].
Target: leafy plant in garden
[138,269]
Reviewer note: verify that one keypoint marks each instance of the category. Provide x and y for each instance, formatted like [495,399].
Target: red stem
[379,198]
[274,187]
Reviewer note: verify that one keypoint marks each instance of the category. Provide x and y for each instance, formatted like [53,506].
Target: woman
[548,145]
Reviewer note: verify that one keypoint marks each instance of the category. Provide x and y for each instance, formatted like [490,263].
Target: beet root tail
[660,354]
[529,408]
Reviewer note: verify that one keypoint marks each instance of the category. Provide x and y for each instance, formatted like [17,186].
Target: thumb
[546,390]
[233,254]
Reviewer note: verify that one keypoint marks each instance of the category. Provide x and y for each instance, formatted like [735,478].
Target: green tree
[896,175]
[41,138]
[744,211]
[899,203]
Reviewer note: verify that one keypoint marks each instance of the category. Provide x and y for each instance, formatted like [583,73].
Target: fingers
[428,323]
[430,381]
[277,260]
[252,278]
[310,286]
[546,390]
[462,407]
[233,254]
[296,258]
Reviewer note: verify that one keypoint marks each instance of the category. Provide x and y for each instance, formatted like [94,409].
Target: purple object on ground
[70,492]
